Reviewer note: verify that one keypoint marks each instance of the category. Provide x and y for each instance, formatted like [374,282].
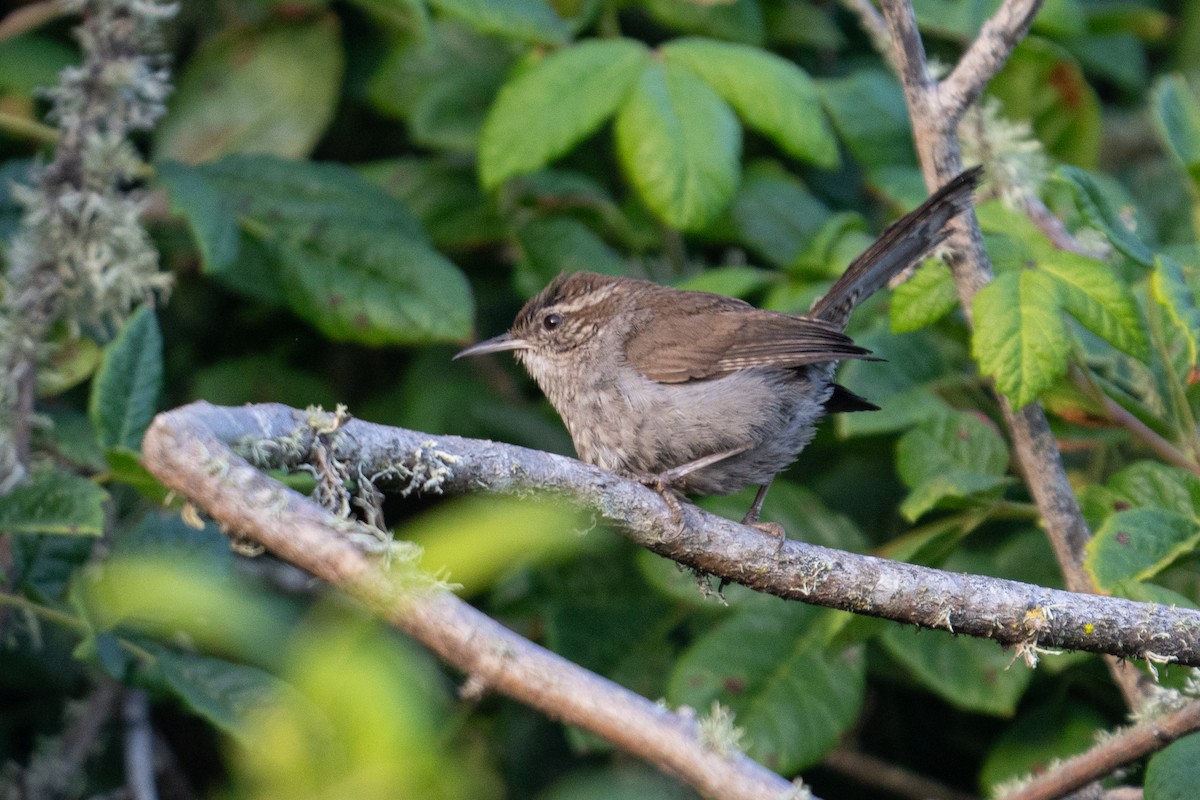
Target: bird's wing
[702,337]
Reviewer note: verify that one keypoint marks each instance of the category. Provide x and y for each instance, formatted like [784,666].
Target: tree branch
[188,449]
[986,56]
[1009,612]
[1124,748]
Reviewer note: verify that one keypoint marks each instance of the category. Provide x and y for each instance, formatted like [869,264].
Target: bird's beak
[505,341]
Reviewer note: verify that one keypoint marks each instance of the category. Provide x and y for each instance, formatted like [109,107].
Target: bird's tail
[902,244]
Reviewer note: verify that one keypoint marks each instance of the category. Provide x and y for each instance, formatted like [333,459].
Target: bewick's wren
[696,392]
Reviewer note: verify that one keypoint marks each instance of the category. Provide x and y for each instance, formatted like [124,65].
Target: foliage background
[345,193]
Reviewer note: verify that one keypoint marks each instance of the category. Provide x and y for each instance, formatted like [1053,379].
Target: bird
[696,393]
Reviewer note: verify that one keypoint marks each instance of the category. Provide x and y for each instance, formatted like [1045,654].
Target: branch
[184,446]
[188,449]
[986,55]
[1124,748]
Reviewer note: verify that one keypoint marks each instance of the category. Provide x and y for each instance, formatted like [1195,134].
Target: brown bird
[698,393]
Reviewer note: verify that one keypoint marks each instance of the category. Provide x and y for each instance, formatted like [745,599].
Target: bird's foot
[670,497]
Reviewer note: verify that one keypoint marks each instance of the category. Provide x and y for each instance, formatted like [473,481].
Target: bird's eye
[551,321]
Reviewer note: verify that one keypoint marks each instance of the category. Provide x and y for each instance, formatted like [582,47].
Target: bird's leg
[773,529]
[664,481]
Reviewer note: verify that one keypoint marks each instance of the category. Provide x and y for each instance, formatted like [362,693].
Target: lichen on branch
[81,260]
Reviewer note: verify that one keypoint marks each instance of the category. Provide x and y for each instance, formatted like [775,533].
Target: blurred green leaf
[403,15]
[729,281]
[1056,729]
[1174,772]
[623,781]
[31,61]
[125,467]
[953,455]
[56,503]
[70,361]
[530,20]
[546,109]
[774,214]
[624,635]
[223,692]
[1042,83]
[1177,117]
[1173,291]
[770,94]
[679,145]
[868,113]
[1098,211]
[554,245]
[474,542]
[792,696]
[125,392]
[444,195]
[341,252]
[1138,543]
[734,20]
[969,674]
[264,90]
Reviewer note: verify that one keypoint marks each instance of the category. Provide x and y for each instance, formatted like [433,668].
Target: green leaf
[868,112]
[1177,117]
[209,212]
[1059,728]
[969,674]
[125,466]
[554,245]
[222,692]
[923,299]
[1092,293]
[679,145]
[1138,544]
[793,698]
[770,94]
[56,503]
[624,635]
[1020,339]
[1042,82]
[529,20]
[735,20]
[341,252]
[1174,772]
[545,110]
[774,214]
[1171,289]
[952,455]
[621,780]
[127,386]
[262,90]
[444,195]
[731,281]
[1098,212]
[1149,484]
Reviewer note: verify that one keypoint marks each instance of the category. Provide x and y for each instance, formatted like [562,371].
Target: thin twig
[27,17]
[1120,415]
[879,774]
[1124,748]
[873,25]
[139,746]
